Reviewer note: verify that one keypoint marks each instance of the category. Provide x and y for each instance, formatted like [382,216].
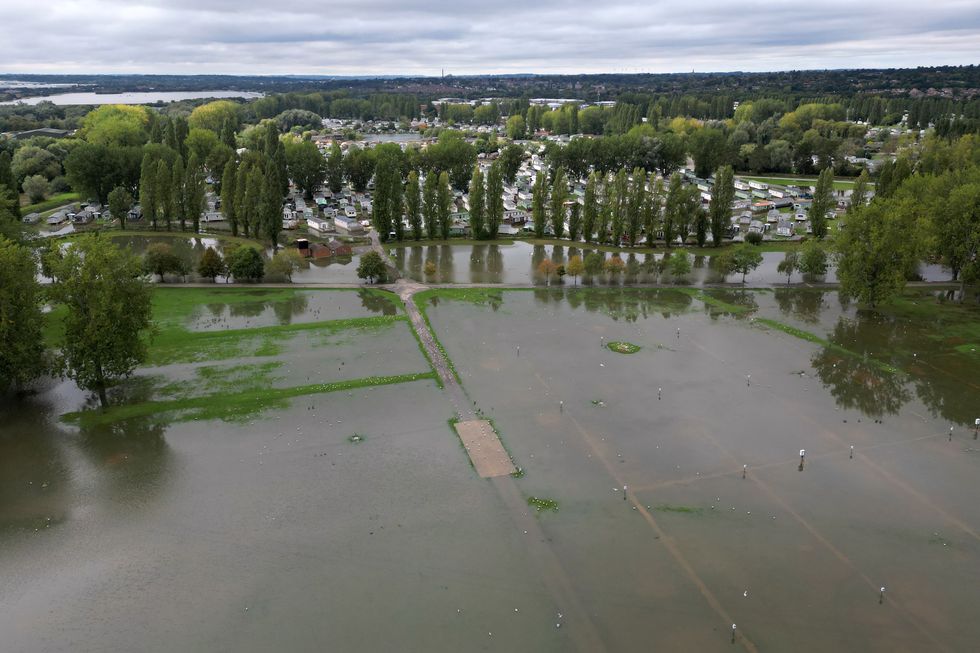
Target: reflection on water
[517,263]
[854,377]
[801,303]
[35,478]
[132,457]
[376,303]
[42,478]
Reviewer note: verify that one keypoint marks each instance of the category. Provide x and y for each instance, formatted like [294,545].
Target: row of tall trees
[170,193]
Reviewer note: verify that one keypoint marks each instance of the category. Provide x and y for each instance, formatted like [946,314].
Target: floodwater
[275,531]
[517,263]
[134,97]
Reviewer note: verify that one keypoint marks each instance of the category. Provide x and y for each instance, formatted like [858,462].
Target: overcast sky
[481,36]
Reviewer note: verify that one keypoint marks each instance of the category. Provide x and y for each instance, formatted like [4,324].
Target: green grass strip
[178,345]
[52,202]
[811,337]
[713,301]
[230,406]
[419,300]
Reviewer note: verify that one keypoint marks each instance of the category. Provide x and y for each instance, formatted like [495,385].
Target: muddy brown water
[277,531]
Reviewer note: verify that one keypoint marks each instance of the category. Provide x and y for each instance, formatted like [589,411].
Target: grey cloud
[469,36]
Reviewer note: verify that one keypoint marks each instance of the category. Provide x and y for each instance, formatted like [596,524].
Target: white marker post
[802,458]
[744,468]
[852,451]
[733,633]
[881,596]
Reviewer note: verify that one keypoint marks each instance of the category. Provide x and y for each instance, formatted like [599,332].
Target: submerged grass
[420,299]
[541,503]
[623,347]
[811,337]
[686,510]
[180,346]
[229,406]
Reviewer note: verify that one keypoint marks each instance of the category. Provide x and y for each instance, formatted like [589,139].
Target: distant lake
[149,97]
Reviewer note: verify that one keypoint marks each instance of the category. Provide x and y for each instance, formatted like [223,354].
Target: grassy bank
[228,406]
[52,202]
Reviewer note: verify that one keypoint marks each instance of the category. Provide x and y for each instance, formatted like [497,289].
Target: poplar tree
[270,210]
[605,211]
[720,207]
[253,195]
[619,199]
[444,199]
[559,193]
[494,200]
[590,210]
[164,193]
[413,205]
[148,185]
[241,197]
[634,208]
[228,188]
[859,194]
[195,191]
[673,209]
[538,200]
[651,209]
[430,205]
[477,204]
[575,222]
[178,192]
[823,202]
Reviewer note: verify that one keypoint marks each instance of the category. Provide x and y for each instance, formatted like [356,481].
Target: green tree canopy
[22,355]
[107,312]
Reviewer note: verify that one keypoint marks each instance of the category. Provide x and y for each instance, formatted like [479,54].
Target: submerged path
[580,627]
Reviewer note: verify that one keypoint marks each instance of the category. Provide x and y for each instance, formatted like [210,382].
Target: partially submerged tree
[789,264]
[372,267]
[575,267]
[107,311]
[742,259]
[22,356]
[813,259]
[284,263]
[211,265]
[161,260]
[246,264]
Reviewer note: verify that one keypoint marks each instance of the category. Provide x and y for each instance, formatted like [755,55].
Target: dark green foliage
[108,310]
[477,204]
[494,200]
[413,205]
[22,356]
[559,193]
[246,264]
[120,201]
[211,265]
[305,165]
[372,267]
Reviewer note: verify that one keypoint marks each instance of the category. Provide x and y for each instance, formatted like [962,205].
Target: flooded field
[517,263]
[283,474]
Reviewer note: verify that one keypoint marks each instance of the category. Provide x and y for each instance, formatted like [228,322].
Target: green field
[51,203]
